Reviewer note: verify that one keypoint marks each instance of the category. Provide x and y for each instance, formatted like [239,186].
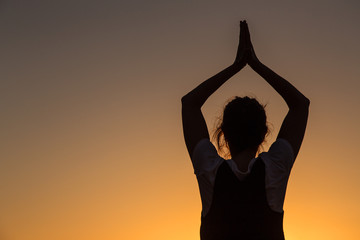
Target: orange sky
[91,138]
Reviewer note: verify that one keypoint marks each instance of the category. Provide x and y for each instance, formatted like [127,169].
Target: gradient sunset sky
[91,138]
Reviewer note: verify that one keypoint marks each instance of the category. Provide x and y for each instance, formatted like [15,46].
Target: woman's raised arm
[194,125]
[294,124]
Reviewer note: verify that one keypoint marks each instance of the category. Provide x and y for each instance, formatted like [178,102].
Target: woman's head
[243,125]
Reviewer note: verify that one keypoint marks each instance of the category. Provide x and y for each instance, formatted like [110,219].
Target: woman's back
[239,209]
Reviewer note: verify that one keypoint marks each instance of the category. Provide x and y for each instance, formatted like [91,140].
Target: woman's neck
[243,158]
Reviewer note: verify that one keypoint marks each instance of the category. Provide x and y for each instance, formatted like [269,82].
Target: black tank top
[239,209]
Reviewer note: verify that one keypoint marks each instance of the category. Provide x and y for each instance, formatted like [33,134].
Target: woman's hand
[241,55]
[250,52]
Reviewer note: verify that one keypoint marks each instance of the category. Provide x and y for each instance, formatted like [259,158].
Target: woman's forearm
[198,96]
[288,92]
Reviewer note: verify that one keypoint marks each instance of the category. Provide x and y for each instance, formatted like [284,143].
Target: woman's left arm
[194,125]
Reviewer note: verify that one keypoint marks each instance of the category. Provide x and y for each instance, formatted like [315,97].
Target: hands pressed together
[294,124]
[245,53]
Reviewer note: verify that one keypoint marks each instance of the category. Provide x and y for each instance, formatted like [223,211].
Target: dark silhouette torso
[239,209]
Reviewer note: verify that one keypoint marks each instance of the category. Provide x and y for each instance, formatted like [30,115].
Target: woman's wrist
[238,65]
[254,63]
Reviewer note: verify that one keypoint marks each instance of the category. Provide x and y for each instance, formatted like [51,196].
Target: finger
[247,33]
[242,33]
[247,37]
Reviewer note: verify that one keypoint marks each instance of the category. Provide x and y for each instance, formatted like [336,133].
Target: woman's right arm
[294,124]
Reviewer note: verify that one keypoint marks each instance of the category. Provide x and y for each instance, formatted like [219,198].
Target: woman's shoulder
[280,155]
[205,157]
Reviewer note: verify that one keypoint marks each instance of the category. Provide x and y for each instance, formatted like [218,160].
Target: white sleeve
[206,161]
[278,163]
[205,157]
[281,154]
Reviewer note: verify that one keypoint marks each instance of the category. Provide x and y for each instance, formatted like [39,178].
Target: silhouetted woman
[242,198]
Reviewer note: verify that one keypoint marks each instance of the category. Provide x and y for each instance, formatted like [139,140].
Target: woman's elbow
[188,100]
[300,103]
[185,100]
[306,102]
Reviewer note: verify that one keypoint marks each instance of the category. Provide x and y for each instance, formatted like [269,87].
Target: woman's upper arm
[294,125]
[194,126]
[205,159]
[278,163]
